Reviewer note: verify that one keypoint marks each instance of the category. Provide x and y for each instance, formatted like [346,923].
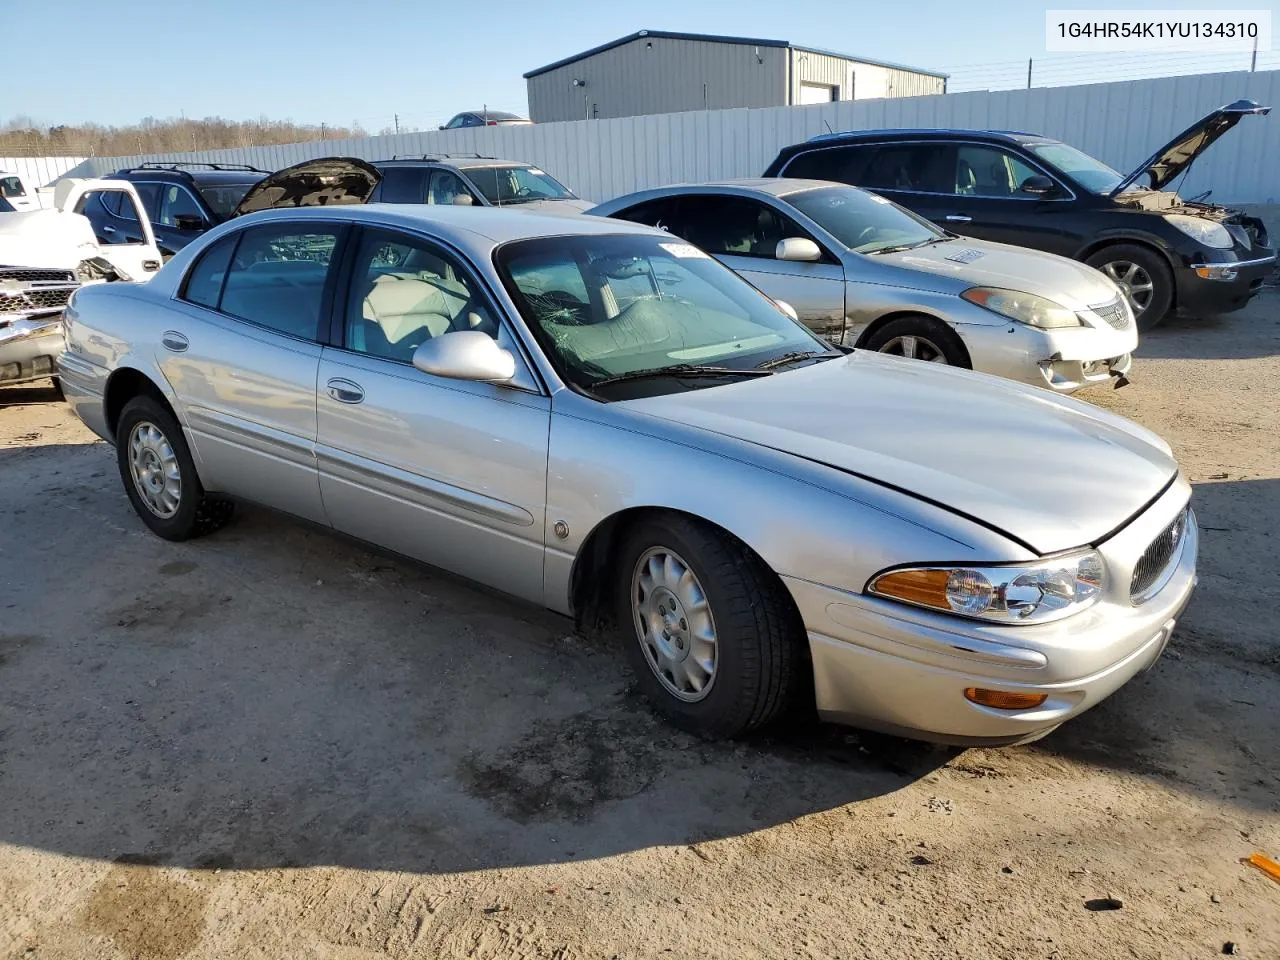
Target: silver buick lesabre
[600,418]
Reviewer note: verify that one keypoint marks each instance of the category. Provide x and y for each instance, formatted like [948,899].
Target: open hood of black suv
[312,183]
[1176,155]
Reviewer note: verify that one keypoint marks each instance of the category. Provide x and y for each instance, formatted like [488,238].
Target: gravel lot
[276,743]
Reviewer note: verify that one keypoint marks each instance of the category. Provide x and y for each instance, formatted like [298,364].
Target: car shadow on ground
[1204,718]
[273,696]
[1253,331]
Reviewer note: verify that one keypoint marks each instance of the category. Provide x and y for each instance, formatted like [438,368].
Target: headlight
[1024,307]
[1208,232]
[1025,593]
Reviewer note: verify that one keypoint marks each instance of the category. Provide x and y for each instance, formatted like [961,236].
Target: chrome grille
[35,298]
[26,275]
[1156,560]
[1114,313]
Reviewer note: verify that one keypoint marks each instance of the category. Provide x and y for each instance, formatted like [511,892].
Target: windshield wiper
[796,357]
[909,246]
[679,370]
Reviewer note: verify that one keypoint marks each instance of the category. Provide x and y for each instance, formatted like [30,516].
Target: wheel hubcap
[1134,282]
[155,471]
[914,348]
[673,624]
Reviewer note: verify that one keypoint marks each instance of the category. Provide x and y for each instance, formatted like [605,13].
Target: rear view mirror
[788,309]
[798,248]
[189,221]
[1038,186]
[465,355]
[463,200]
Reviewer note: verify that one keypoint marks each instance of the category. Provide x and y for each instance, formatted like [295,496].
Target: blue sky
[336,61]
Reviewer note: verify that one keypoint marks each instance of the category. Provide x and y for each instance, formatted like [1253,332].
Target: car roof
[495,224]
[444,160]
[856,136]
[779,187]
[188,176]
[491,114]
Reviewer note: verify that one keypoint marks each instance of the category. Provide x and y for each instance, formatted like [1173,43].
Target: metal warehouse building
[654,71]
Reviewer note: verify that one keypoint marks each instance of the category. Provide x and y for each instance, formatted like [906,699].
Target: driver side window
[735,226]
[989,172]
[405,291]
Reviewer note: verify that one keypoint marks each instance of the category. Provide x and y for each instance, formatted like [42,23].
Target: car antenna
[828,126]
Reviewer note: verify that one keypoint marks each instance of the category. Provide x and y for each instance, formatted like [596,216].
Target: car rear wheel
[159,475]
[920,338]
[1142,276]
[711,633]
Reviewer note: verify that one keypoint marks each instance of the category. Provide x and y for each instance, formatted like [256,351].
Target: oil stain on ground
[564,769]
[147,915]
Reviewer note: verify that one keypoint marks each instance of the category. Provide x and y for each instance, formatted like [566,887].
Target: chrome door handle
[150,265]
[344,391]
[108,228]
[958,218]
[174,341]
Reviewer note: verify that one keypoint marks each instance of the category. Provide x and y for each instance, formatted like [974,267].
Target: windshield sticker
[536,172]
[877,198]
[967,255]
[685,251]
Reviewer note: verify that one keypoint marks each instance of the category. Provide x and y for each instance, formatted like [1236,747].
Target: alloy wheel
[154,467]
[914,347]
[1134,282]
[673,624]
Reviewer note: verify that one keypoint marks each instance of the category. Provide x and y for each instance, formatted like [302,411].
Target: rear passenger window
[916,167]
[204,282]
[841,164]
[403,185]
[276,278]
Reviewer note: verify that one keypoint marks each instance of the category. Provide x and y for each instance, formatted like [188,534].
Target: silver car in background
[862,271]
[599,418]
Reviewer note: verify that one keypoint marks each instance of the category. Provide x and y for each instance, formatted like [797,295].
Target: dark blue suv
[183,200]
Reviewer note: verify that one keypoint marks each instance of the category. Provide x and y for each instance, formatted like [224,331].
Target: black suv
[182,200]
[1167,254]
[473,180]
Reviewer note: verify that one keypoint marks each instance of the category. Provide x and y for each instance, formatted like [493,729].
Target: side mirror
[189,221]
[465,355]
[788,309]
[1038,186]
[798,248]
[463,200]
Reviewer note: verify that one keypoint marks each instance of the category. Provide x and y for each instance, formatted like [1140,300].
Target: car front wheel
[920,338]
[712,635]
[1142,276]
[159,475]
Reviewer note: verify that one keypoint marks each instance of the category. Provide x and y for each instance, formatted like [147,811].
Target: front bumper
[29,348]
[1199,296]
[889,667]
[1060,360]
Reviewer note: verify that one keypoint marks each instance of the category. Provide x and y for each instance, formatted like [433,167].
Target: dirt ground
[275,743]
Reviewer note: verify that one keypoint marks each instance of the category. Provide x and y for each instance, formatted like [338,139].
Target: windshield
[864,222]
[1094,175]
[223,198]
[506,185]
[6,206]
[606,306]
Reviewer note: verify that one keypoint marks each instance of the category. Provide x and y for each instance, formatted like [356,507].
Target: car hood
[1048,472]
[46,238]
[1175,156]
[982,263]
[312,183]
[570,205]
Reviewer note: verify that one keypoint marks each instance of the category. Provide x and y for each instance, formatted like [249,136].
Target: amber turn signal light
[1003,700]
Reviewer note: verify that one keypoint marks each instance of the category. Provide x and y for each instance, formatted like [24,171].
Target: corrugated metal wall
[660,75]
[1121,123]
[39,171]
[810,67]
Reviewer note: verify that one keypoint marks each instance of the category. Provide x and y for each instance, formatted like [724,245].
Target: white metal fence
[1121,123]
[39,171]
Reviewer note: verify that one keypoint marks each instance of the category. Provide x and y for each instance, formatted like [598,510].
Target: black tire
[934,340]
[197,512]
[760,639]
[1113,260]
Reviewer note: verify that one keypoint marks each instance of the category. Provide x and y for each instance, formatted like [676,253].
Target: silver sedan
[863,271]
[599,418]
